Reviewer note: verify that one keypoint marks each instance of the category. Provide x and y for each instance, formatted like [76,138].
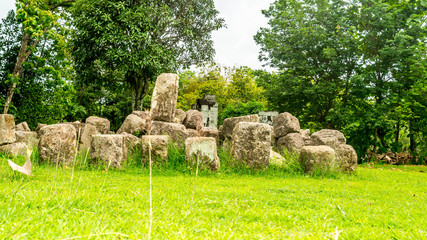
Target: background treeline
[356,66]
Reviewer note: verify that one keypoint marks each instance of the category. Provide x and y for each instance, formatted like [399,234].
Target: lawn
[379,202]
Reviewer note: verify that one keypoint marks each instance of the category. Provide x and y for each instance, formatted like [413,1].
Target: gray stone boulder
[159,148]
[251,145]
[202,150]
[94,125]
[285,123]
[165,95]
[229,124]
[14,149]
[293,142]
[318,158]
[58,143]
[193,120]
[7,129]
[346,157]
[180,116]
[132,124]
[177,132]
[23,126]
[29,138]
[329,137]
[108,149]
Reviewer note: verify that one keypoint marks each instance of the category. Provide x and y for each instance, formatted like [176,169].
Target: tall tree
[39,20]
[133,41]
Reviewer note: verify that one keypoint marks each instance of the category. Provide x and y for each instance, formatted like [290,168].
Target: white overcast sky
[234,45]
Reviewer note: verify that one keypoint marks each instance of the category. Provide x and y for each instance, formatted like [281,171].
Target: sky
[234,45]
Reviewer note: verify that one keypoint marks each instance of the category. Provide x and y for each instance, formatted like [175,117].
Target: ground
[379,202]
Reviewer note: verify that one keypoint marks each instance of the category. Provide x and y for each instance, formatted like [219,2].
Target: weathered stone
[14,149]
[180,116]
[318,158]
[230,123]
[293,142]
[329,137]
[108,149]
[176,131]
[93,126]
[165,95]
[58,143]
[23,126]
[202,150]
[132,142]
[305,133]
[210,132]
[142,114]
[39,126]
[284,124]
[251,145]
[159,147]
[7,129]
[194,119]
[133,124]
[276,158]
[79,129]
[346,157]
[192,133]
[29,138]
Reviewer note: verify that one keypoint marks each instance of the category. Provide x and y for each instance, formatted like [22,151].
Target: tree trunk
[139,90]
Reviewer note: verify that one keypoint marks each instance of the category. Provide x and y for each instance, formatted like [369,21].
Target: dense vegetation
[359,66]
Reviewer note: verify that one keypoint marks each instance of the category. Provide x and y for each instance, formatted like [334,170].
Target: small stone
[108,149]
[202,150]
[347,158]
[133,124]
[194,119]
[210,132]
[29,138]
[192,133]
[285,123]
[180,116]
[276,158]
[14,149]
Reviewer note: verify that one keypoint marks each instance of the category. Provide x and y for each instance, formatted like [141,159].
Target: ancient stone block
[159,147]
[58,143]
[346,157]
[192,133]
[93,126]
[329,137]
[251,145]
[108,149]
[293,142]
[180,116]
[132,124]
[165,95]
[284,124]
[202,150]
[176,131]
[23,126]
[230,123]
[14,149]
[210,132]
[7,129]
[318,158]
[132,142]
[194,119]
[29,138]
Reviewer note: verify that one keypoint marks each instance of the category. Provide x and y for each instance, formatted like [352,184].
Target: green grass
[379,202]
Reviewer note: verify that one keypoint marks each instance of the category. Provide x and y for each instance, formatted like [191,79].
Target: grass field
[379,202]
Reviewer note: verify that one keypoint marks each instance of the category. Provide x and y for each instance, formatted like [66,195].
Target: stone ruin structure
[250,142]
[267,117]
[209,108]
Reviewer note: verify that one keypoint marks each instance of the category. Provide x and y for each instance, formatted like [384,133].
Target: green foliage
[242,109]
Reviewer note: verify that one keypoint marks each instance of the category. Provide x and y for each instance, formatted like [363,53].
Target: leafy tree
[132,42]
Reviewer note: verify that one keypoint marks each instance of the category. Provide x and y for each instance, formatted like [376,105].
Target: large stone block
[180,116]
[108,149]
[229,124]
[177,132]
[133,124]
[318,158]
[23,126]
[293,142]
[93,126]
[192,133]
[132,142]
[58,143]
[159,147]
[165,95]
[7,129]
[329,137]
[210,132]
[194,119]
[251,145]
[29,138]
[284,124]
[14,149]
[202,150]
[346,157]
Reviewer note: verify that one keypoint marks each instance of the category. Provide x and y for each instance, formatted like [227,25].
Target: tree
[39,20]
[131,42]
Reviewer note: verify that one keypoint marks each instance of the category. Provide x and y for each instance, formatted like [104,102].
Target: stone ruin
[209,109]
[250,141]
